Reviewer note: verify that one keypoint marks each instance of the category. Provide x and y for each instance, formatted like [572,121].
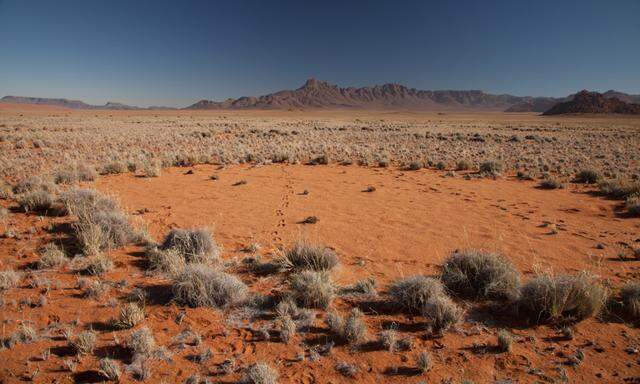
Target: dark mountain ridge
[594,102]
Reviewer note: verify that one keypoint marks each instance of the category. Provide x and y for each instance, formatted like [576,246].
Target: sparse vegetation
[630,300]
[563,298]
[198,285]
[110,369]
[588,176]
[51,256]
[260,373]
[632,204]
[350,330]
[491,168]
[414,292]
[312,289]
[551,182]
[424,362]
[442,312]
[193,245]
[619,189]
[131,314]
[84,342]
[9,279]
[481,275]
[36,201]
[505,340]
[141,342]
[307,256]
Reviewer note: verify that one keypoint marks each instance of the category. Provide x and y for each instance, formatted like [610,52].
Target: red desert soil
[407,226]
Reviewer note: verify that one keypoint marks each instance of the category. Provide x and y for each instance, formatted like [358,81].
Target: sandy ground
[407,226]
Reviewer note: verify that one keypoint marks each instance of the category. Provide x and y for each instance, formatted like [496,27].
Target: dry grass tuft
[51,256]
[561,299]
[110,369]
[131,314]
[168,261]
[306,256]
[481,275]
[36,201]
[630,300]
[312,289]
[141,342]
[84,342]
[414,292]
[194,245]
[619,189]
[351,330]
[99,264]
[491,168]
[442,312]
[9,279]
[588,176]
[505,340]
[260,373]
[424,362]
[198,285]
[632,204]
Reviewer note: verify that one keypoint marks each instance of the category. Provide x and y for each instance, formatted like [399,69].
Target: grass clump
[587,176]
[114,168]
[51,256]
[632,204]
[99,264]
[169,261]
[131,314]
[562,299]
[619,189]
[84,342]
[491,168]
[101,224]
[193,245]
[350,330]
[442,312]
[312,289]
[198,285]
[260,373]
[36,201]
[86,173]
[463,165]
[9,279]
[481,275]
[24,334]
[305,256]
[550,182]
[424,362]
[30,184]
[505,341]
[630,301]
[346,369]
[414,292]
[110,369]
[141,342]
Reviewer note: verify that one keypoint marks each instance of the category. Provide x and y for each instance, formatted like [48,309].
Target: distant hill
[535,104]
[594,102]
[66,103]
[320,94]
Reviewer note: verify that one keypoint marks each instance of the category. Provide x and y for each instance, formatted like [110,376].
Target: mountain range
[316,94]
[73,104]
[594,102]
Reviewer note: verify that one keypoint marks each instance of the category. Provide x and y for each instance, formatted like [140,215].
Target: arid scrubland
[515,258]
[116,141]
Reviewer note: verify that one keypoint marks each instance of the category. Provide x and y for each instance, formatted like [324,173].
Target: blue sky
[177,52]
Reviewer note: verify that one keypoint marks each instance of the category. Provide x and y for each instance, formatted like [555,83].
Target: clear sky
[174,53]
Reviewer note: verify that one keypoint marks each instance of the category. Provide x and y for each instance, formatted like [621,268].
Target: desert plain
[322,240]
